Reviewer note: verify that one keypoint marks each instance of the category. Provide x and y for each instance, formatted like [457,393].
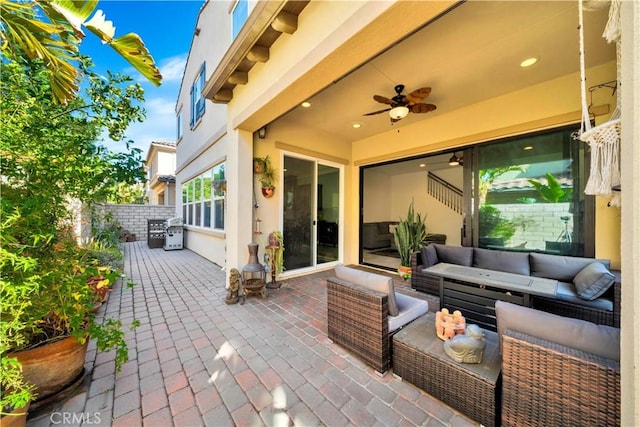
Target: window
[201,194]
[239,16]
[179,126]
[197,98]
[531,195]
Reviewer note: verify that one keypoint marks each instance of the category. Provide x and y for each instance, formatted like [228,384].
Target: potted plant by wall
[46,300]
[258,165]
[275,252]
[409,235]
[268,178]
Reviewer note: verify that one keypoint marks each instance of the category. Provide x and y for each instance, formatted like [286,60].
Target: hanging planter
[258,165]
[268,178]
[268,191]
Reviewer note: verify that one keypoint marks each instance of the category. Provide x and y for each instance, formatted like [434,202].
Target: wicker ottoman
[473,389]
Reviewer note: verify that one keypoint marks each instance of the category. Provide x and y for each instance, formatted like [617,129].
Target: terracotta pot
[53,367]
[268,191]
[16,418]
[258,166]
[404,272]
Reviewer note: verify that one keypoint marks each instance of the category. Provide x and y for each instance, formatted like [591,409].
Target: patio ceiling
[471,54]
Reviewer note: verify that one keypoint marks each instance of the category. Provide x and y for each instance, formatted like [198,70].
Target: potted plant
[409,235]
[268,178]
[275,250]
[258,165]
[46,300]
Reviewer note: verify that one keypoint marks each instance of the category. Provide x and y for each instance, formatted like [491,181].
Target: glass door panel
[328,213]
[298,212]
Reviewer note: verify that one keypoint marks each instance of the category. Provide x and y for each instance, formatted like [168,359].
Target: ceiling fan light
[454,160]
[399,112]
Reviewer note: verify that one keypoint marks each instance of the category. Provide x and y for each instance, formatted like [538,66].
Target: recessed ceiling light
[528,147]
[306,104]
[528,62]
[356,125]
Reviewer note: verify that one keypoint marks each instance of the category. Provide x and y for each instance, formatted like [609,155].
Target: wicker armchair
[357,319]
[544,383]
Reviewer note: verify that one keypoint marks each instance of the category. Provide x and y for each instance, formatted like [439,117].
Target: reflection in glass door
[311,208]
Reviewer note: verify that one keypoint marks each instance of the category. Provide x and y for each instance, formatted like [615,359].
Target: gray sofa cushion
[454,254]
[563,268]
[567,292]
[509,262]
[429,255]
[579,334]
[376,282]
[593,280]
[409,309]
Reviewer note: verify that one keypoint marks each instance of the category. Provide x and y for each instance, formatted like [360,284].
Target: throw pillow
[375,282]
[429,256]
[592,281]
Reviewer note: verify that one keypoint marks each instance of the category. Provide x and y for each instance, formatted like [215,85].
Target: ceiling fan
[400,105]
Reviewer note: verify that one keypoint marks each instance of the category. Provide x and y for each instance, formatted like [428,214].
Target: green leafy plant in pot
[409,236]
[268,178]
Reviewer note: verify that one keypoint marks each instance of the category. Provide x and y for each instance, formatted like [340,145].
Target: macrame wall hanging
[603,139]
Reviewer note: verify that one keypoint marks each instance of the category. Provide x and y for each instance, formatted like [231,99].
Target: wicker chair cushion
[563,268]
[593,280]
[454,254]
[375,282]
[567,292]
[429,256]
[600,340]
[410,309]
[509,262]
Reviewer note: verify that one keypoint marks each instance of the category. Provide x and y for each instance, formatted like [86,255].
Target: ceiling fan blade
[377,112]
[382,99]
[422,108]
[417,95]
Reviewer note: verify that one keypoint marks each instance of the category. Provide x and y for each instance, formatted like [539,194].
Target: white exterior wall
[204,146]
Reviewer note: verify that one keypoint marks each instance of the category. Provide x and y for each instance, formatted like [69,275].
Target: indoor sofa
[363,312]
[586,288]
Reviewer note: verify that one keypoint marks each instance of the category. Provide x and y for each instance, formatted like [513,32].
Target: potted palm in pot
[409,235]
[268,178]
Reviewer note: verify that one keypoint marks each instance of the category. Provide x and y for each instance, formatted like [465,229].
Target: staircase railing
[444,192]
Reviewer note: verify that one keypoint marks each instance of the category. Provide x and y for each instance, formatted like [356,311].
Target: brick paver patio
[196,361]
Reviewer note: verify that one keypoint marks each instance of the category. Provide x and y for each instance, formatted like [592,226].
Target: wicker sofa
[557,371]
[363,312]
[603,309]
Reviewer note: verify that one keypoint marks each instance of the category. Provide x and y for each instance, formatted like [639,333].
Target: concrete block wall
[133,218]
[547,223]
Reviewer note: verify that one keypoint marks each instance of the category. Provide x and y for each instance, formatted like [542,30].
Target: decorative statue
[448,325]
[234,287]
[467,348]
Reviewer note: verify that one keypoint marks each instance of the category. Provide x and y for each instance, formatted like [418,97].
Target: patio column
[630,225]
[239,200]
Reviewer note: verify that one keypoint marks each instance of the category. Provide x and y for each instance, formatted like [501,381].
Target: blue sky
[166,27]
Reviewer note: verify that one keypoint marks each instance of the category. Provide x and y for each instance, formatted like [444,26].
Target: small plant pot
[258,166]
[268,191]
[16,418]
[404,272]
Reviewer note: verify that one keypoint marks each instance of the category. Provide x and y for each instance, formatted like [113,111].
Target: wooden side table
[473,389]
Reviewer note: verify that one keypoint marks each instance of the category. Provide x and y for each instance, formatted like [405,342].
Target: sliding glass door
[311,213]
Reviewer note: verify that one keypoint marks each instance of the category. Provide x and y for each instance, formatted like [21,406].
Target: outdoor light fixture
[262,132]
[399,112]
[454,160]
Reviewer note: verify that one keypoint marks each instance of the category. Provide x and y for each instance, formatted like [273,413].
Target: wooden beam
[258,54]
[223,96]
[239,78]
[285,22]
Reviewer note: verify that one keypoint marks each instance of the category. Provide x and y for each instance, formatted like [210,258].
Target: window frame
[197,99]
[196,199]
